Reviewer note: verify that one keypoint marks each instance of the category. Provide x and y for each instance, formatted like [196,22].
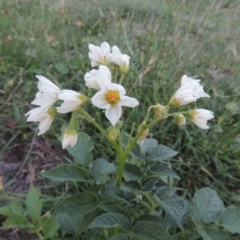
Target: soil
[20,166]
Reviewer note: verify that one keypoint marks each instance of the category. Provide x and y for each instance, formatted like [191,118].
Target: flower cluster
[189,91]
[110,96]
[103,56]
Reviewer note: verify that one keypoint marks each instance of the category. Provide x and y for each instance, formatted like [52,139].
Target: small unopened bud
[159,109]
[113,132]
[179,119]
[144,135]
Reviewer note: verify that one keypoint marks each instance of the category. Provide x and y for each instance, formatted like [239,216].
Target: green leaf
[175,206]
[13,208]
[112,193]
[61,67]
[230,219]
[148,144]
[152,218]
[139,236]
[136,152]
[163,192]
[79,204]
[90,234]
[214,234]
[151,183]
[206,206]
[101,167]
[110,220]
[120,236]
[69,223]
[161,153]
[15,221]
[88,218]
[67,172]
[81,152]
[33,203]
[50,227]
[163,170]
[131,172]
[112,209]
[151,231]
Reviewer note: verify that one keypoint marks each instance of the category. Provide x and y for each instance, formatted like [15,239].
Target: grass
[165,40]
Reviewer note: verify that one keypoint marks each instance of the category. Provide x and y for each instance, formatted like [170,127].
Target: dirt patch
[22,163]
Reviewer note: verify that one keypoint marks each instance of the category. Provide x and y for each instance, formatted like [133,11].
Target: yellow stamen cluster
[112,96]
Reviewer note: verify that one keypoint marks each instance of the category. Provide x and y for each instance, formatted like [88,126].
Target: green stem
[122,77]
[121,159]
[91,120]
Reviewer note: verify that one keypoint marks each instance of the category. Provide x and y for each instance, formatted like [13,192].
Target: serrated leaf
[79,204]
[13,208]
[15,221]
[101,167]
[131,172]
[70,223]
[151,230]
[175,206]
[67,172]
[230,219]
[81,152]
[109,220]
[206,206]
[164,171]
[161,153]
[148,144]
[33,203]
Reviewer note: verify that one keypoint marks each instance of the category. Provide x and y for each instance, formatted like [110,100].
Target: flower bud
[179,119]
[144,135]
[159,109]
[113,132]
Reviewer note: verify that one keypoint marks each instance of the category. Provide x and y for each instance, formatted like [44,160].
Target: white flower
[183,96]
[189,91]
[93,77]
[47,94]
[200,117]
[69,139]
[72,101]
[44,115]
[122,60]
[198,91]
[99,55]
[111,97]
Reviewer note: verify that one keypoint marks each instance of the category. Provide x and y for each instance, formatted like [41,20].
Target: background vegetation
[165,40]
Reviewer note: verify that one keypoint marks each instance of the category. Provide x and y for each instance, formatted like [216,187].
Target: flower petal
[128,101]
[99,100]
[113,113]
